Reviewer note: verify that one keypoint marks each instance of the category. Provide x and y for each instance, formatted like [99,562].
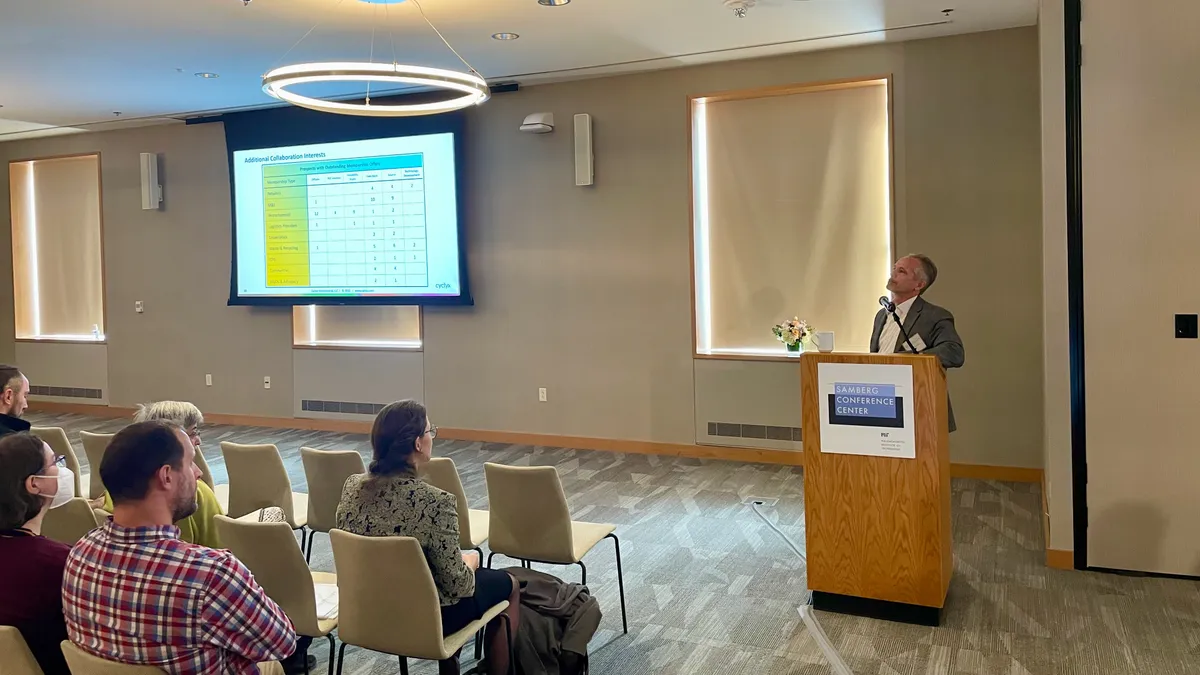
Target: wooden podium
[878,527]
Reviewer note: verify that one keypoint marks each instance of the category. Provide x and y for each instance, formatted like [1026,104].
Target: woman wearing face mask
[32,481]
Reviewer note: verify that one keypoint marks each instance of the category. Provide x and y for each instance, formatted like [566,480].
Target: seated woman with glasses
[389,500]
[33,481]
[200,527]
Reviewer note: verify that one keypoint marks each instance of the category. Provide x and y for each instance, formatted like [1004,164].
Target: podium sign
[867,409]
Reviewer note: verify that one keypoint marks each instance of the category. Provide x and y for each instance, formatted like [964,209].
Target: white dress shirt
[890,335]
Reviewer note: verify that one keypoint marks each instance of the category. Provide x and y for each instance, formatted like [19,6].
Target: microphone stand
[891,309]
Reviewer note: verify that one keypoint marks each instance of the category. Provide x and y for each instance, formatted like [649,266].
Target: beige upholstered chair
[15,657]
[327,471]
[269,551]
[94,446]
[83,663]
[205,472]
[68,523]
[389,603]
[258,479]
[530,522]
[441,473]
[59,444]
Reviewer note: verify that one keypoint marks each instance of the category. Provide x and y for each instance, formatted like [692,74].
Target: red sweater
[31,573]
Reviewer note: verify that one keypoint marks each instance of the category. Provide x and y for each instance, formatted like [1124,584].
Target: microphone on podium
[890,307]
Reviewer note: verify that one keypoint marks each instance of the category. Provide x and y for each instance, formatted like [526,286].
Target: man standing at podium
[908,323]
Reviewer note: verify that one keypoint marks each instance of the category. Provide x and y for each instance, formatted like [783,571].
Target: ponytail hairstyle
[394,437]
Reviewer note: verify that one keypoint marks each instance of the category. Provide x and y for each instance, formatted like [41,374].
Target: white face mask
[66,487]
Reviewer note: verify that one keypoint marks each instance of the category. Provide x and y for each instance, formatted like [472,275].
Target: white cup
[824,341]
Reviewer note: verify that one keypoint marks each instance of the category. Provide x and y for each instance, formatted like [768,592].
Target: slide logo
[866,405]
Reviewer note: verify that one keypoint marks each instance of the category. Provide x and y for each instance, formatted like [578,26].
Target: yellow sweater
[199,527]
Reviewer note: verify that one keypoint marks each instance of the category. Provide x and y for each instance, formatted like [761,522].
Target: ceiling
[69,62]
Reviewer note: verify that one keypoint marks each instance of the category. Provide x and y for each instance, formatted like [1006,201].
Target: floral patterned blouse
[402,505]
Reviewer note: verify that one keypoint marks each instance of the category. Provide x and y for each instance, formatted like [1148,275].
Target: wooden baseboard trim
[1060,560]
[1010,474]
[718,452]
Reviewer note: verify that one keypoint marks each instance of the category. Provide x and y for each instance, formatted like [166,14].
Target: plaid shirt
[143,596]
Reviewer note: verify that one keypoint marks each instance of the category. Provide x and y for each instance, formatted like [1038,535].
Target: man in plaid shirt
[133,592]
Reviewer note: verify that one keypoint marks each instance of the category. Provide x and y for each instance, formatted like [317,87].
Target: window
[58,253]
[357,327]
[792,213]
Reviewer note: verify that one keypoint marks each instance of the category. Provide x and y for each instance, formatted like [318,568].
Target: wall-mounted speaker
[583,149]
[151,189]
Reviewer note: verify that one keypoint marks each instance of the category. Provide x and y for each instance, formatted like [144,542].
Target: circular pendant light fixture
[471,88]
[466,89]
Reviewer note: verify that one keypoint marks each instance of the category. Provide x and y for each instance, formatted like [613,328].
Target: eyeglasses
[60,461]
[432,431]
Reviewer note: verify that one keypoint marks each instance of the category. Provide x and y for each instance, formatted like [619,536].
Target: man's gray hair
[180,413]
[926,271]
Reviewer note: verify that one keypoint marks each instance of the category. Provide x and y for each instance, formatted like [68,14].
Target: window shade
[793,205]
[58,271]
[382,327]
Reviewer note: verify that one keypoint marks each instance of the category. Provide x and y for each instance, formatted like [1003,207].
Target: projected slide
[350,220]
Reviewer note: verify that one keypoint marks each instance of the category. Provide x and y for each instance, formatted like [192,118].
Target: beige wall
[1055,352]
[1141,166]
[586,291]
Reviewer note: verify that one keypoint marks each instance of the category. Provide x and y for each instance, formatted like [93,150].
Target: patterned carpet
[711,589]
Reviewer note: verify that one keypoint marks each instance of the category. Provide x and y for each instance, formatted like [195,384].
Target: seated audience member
[390,500]
[31,566]
[133,592]
[199,527]
[14,387]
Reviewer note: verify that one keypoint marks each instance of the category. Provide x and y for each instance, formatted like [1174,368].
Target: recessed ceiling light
[208,76]
[505,36]
[553,3]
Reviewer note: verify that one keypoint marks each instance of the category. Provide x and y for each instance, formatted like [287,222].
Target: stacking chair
[94,446]
[15,657]
[258,479]
[70,522]
[205,472]
[327,471]
[57,439]
[83,663]
[530,522]
[269,551]
[441,473]
[389,603]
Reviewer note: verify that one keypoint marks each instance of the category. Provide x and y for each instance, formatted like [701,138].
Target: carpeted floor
[711,589]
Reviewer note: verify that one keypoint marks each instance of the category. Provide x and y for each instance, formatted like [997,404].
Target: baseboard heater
[66,392]
[341,407]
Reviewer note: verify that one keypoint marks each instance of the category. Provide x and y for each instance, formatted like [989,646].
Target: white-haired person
[199,527]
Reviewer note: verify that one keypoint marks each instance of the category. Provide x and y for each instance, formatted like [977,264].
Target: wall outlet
[139,307]
[208,379]
[266,382]
[542,394]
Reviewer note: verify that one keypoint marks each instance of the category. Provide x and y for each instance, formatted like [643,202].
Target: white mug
[824,341]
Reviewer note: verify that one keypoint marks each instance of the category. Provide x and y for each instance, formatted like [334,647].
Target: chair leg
[403,665]
[489,562]
[584,568]
[332,646]
[620,582]
[341,657]
[479,644]
[308,556]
